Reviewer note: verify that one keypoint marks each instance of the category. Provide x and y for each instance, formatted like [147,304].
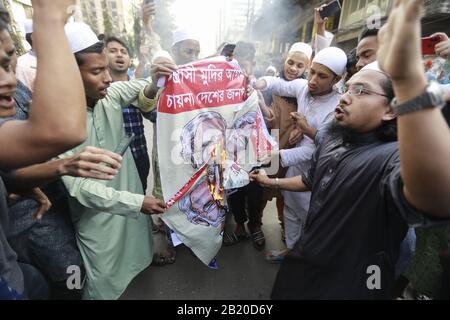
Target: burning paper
[209,137]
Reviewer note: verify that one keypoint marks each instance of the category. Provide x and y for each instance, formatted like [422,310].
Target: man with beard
[366,187]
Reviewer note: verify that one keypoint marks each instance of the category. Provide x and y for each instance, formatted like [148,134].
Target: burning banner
[210,135]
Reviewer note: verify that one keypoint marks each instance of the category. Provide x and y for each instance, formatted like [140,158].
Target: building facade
[346,25]
[105,16]
[237,19]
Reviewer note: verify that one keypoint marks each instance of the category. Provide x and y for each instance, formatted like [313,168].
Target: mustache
[343,108]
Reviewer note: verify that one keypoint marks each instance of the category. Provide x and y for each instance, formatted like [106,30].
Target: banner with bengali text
[209,136]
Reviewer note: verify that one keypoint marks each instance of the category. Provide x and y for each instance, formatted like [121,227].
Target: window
[355,11]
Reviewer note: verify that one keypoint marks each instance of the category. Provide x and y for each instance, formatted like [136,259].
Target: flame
[216,187]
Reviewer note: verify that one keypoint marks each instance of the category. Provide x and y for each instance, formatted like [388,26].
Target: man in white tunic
[316,98]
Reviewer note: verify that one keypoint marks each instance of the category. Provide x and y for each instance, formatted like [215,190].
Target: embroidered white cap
[80,36]
[183,34]
[333,58]
[271,68]
[303,48]
[374,66]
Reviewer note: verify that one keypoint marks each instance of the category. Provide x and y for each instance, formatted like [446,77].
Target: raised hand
[162,67]
[443,48]
[320,23]
[60,9]
[148,10]
[399,53]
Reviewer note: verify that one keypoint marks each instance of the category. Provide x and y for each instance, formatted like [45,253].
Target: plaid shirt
[134,124]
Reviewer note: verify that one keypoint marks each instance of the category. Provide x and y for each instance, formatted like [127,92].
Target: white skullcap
[183,34]
[80,36]
[28,24]
[333,58]
[374,66]
[303,48]
[271,68]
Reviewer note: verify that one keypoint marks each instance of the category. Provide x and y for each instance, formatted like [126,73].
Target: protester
[111,218]
[185,49]
[245,203]
[27,235]
[334,256]
[27,64]
[316,99]
[119,63]
[49,130]
[278,117]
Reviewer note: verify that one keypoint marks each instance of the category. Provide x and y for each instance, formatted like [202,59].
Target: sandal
[230,239]
[259,241]
[162,259]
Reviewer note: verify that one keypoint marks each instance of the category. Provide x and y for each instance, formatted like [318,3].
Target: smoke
[279,19]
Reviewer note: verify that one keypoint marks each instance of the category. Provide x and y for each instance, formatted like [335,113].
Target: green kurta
[114,238]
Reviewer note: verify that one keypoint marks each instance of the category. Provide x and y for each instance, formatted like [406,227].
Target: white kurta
[315,109]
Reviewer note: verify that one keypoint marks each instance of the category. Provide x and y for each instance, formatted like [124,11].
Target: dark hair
[228,50]
[29,38]
[3,25]
[351,59]
[244,51]
[114,39]
[368,33]
[96,48]
[388,130]
[4,15]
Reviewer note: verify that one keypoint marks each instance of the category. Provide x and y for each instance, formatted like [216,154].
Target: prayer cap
[333,58]
[183,34]
[80,36]
[271,68]
[303,48]
[28,24]
[374,66]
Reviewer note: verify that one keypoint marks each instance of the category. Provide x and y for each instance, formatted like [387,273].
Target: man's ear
[389,115]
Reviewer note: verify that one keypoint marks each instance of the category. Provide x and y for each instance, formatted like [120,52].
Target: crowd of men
[364,158]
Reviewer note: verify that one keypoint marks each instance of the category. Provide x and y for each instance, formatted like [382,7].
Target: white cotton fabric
[80,36]
[303,48]
[183,34]
[333,58]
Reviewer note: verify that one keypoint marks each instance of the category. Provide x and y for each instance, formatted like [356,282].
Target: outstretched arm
[57,118]
[90,163]
[288,184]
[424,136]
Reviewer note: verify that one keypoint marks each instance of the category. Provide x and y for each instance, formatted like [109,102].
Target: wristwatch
[433,97]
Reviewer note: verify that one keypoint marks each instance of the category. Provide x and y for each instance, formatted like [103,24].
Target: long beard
[345,133]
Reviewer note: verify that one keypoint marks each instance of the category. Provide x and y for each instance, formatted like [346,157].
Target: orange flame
[215,187]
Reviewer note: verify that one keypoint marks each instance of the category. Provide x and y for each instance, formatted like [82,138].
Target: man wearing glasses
[367,187]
